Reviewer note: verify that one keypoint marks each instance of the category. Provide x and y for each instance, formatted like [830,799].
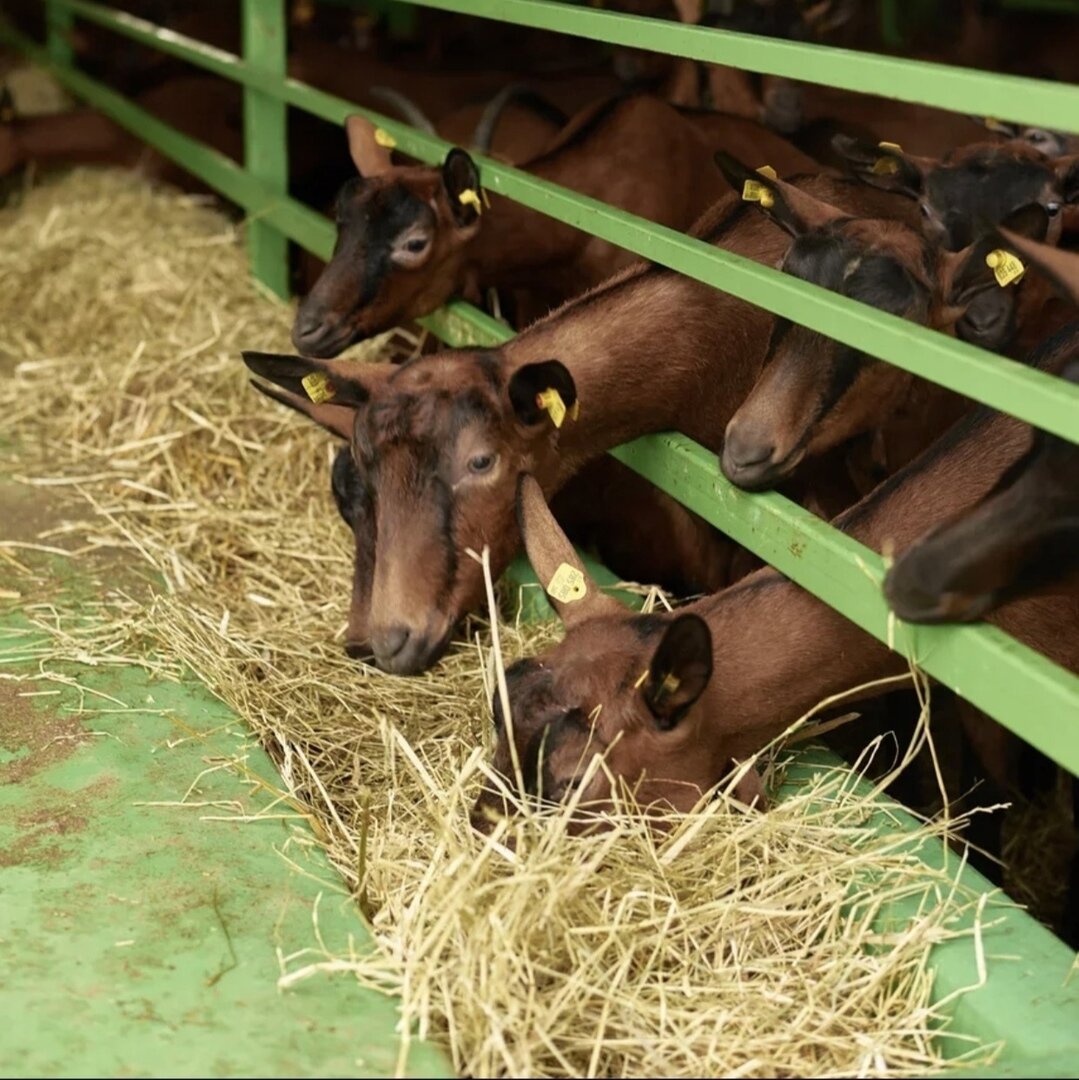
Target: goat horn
[409,110]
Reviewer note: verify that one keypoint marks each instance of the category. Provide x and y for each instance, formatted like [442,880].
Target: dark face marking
[966,198]
[1022,536]
[815,392]
[381,262]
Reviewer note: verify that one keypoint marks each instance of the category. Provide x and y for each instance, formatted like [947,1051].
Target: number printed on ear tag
[567,585]
[1007,268]
[318,387]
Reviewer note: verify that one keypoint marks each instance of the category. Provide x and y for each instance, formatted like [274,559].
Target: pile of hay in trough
[739,944]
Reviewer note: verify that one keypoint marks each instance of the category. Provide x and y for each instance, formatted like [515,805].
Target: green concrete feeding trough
[152,877]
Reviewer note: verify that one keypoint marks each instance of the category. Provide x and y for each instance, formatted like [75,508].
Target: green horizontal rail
[985,665]
[983,93]
[1026,692]
[1033,396]
[1029,1001]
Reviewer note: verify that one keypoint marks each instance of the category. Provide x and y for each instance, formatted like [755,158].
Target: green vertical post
[890,29]
[58,23]
[266,136]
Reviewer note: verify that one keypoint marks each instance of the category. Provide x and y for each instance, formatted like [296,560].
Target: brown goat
[815,393]
[674,699]
[406,242]
[970,189]
[439,444]
[1025,533]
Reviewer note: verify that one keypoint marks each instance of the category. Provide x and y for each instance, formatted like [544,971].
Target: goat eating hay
[739,943]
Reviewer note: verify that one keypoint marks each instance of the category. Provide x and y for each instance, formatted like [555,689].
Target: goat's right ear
[337,419]
[573,594]
[789,207]
[680,670]
[966,273]
[461,179]
[328,391]
[370,156]
[530,381]
[884,166]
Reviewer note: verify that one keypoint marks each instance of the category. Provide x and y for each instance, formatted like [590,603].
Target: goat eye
[1052,209]
[417,245]
[482,463]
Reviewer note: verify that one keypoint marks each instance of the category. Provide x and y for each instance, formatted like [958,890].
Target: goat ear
[965,273]
[337,419]
[574,595]
[883,166]
[461,177]
[679,671]
[344,382]
[369,156]
[998,127]
[749,787]
[1061,267]
[1067,172]
[789,207]
[528,382]
[689,11]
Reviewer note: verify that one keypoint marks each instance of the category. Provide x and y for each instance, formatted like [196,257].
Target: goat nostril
[357,650]
[742,454]
[390,641]
[307,325]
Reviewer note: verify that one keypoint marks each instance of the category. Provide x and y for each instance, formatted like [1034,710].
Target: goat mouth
[416,656]
[760,475]
[329,339]
[915,606]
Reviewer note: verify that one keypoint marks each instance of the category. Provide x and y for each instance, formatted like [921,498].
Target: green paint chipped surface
[141,918]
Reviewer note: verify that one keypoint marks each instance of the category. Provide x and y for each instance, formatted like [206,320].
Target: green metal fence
[1023,690]
[1030,695]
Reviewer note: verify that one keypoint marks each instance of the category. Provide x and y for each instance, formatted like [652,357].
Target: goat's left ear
[789,207]
[461,179]
[679,671]
[530,381]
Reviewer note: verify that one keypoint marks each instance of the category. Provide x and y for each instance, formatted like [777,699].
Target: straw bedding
[737,944]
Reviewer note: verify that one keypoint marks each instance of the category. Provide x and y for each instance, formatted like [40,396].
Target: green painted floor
[141,938]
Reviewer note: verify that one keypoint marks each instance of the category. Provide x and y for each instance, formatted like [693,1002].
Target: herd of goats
[952,223]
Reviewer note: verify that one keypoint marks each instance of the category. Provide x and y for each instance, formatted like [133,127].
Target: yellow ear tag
[1006,267]
[303,11]
[991,123]
[468,197]
[887,166]
[640,680]
[767,170]
[384,138]
[318,387]
[670,684]
[753,191]
[551,400]
[567,585]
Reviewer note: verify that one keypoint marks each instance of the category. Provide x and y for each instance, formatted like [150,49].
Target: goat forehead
[431,419]
[984,177]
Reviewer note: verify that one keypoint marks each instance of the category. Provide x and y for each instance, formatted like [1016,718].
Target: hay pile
[735,946]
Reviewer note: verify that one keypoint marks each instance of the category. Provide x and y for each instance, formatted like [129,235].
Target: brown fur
[686,366]
[640,155]
[777,651]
